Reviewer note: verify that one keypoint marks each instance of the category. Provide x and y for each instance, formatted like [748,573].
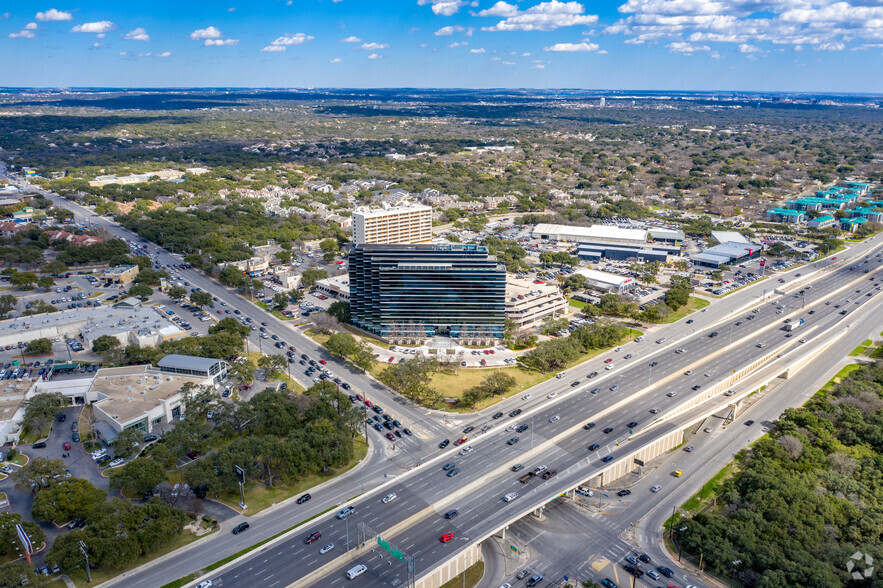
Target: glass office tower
[412,292]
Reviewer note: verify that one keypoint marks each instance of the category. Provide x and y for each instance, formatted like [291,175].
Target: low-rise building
[851,225]
[529,304]
[785,215]
[203,367]
[607,282]
[337,286]
[823,222]
[121,275]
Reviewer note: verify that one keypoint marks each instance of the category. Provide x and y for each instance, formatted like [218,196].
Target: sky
[752,45]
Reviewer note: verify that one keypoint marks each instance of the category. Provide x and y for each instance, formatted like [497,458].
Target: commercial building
[607,282]
[201,367]
[726,254]
[529,304]
[338,286]
[409,293]
[121,275]
[593,252]
[595,233]
[406,223]
[673,236]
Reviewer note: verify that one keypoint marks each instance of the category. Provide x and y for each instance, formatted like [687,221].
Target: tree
[189,434]
[67,500]
[229,325]
[54,267]
[311,276]
[324,322]
[552,325]
[498,383]
[363,357]
[283,256]
[141,475]
[342,344]
[41,408]
[17,574]
[576,282]
[24,280]
[38,473]
[177,292]
[411,379]
[201,299]
[340,310]
[142,291]
[273,364]
[8,302]
[232,276]
[242,372]
[281,299]
[127,441]
[676,298]
[328,245]
[105,343]
[41,346]
[45,282]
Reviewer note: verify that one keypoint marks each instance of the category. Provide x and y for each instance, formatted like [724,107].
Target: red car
[66,445]
[608,360]
[447,537]
[390,436]
[368,403]
[460,441]
[322,361]
[391,359]
[314,536]
[359,397]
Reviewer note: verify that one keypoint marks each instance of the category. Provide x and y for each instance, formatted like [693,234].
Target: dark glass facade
[400,291]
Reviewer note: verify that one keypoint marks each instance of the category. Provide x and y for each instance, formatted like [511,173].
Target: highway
[426,492]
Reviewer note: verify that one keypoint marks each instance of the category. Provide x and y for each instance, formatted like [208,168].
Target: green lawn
[861,348]
[692,306]
[843,373]
[577,303]
[262,497]
[708,491]
[33,436]
[473,575]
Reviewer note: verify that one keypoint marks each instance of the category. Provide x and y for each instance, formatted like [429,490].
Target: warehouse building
[593,252]
[607,282]
[726,254]
[595,234]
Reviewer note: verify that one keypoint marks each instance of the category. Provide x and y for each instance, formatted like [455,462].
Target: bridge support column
[540,513]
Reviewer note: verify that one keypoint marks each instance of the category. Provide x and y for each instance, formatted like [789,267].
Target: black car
[667,572]
[452,513]
[512,441]
[515,412]
[588,426]
[62,417]
[498,415]
[713,334]
[593,374]
[644,557]
[654,363]
[240,528]
[150,438]
[608,430]
[444,443]
[596,390]
[303,498]
[453,472]
[594,446]
[521,428]
[623,492]
[574,384]
[468,429]
[40,445]
[696,387]
[449,466]
[607,459]
[690,322]
[633,424]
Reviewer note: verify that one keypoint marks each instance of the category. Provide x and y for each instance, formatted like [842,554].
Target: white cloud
[351,40]
[231,9]
[508,62]
[292,39]
[501,8]
[374,56]
[447,31]
[272,49]
[479,50]
[336,60]
[54,15]
[373,46]
[138,34]
[545,16]
[31,26]
[164,54]
[686,48]
[538,66]
[443,7]
[746,48]
[460,44]
[5,15]
[831,47]
[525,54]
[220,42]
[99,28]
[572,47]
[22,34]
[206,33]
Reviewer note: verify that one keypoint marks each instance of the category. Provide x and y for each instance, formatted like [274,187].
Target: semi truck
[793,325]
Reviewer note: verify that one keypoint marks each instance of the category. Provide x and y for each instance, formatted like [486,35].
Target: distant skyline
[752,45]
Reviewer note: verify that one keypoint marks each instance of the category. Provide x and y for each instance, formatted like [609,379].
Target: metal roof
[187,362]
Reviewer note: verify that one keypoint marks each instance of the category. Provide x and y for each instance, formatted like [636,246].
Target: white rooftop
[603,232]
[729,237]
[604,277]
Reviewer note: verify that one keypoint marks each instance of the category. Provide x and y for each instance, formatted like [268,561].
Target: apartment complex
[410,293]
[403,223]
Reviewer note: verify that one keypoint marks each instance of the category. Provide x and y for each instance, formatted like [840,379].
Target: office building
[410,293]
[529,304]
[403,223]
[210,369]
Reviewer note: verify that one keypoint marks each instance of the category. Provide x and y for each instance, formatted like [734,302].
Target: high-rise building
[404,223]
[409,293]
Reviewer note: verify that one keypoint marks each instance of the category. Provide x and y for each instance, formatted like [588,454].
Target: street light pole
[86,555]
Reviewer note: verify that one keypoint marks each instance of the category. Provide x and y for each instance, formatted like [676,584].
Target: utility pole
[85,553]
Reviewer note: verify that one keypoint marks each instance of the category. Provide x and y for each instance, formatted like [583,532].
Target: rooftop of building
[100,317]
[594,232]
[729,237]
[187,362]
[120,269]
[131,391]
[516,286]
[338,281]
[387,209]
[12,394]
[604,277]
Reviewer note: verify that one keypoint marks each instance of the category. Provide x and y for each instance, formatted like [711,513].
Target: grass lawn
[262,497]
[293,386]
[843,373]
[33,436]
[577,303]
[103,574]
[57,583]
[19,459]
[708,491]
[861,348]
[692,306]
[274,312]
[473,575]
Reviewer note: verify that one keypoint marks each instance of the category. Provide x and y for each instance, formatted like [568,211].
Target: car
[446,537]
[631,559]
[644,557]
[678,473]
[548,474]
[689,448]
[390,436]
[467,450]
[444,443]
[512,441]
[690,322]
[240,528]
[608,360]
[505,585]
[522,428]
[389,498]
[326,549]
[526,397]
[460,441]
[40,445]
[671,394]
[312,537]
[497,415]
[633,424]
[654,411]
[515,412]
[607,430]
[574,384]
[449,466]
[468,429]
[623,492]
[656,488]
[688,373]
[608,583]
[555,419]
[607,459]
[594,446]
[453,472]
[614,388]
[150,438]
[653,574]
[303,499]
[749,423]
[589,426]
[708,429]
[452,513]
[654,363]
[117,462]
[66,445]
[551,395]
[345,512]
[205,584]
[667,572]
[596,389]
[75,437]
[609,366]
[523,574]
[62,417]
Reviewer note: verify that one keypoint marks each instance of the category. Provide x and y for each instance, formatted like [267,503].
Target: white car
[505,585]
[656,488]
[526,397]
[117,462]
[327,548]
[466,450]
[617,350]
[672,394]
[555,419]
[552,395]
[98,454]
[205,584]
[609,366]
[708,429]
[688,373]
[389,498]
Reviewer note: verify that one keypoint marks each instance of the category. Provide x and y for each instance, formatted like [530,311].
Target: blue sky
[767,45]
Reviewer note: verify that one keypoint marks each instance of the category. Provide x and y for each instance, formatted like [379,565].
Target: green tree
[242,372]
[16,574]
[66,500]
[45,282]
[576,282]
[411,379]
[40,409]
[340,310]
[24,280]
[177,292]
[342,344]
[281,299]
[127,442]
[328,245]
[201,299]
[273,364]
[232,276]
[41,346]
[141,475]
[675,298]
[142,291]
[284,256]
[8,302]
[229,325]
[54,267]
[105,343]
[311,276]
[38,473]
[552,325]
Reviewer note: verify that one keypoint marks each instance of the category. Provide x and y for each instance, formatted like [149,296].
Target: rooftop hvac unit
[116,416]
